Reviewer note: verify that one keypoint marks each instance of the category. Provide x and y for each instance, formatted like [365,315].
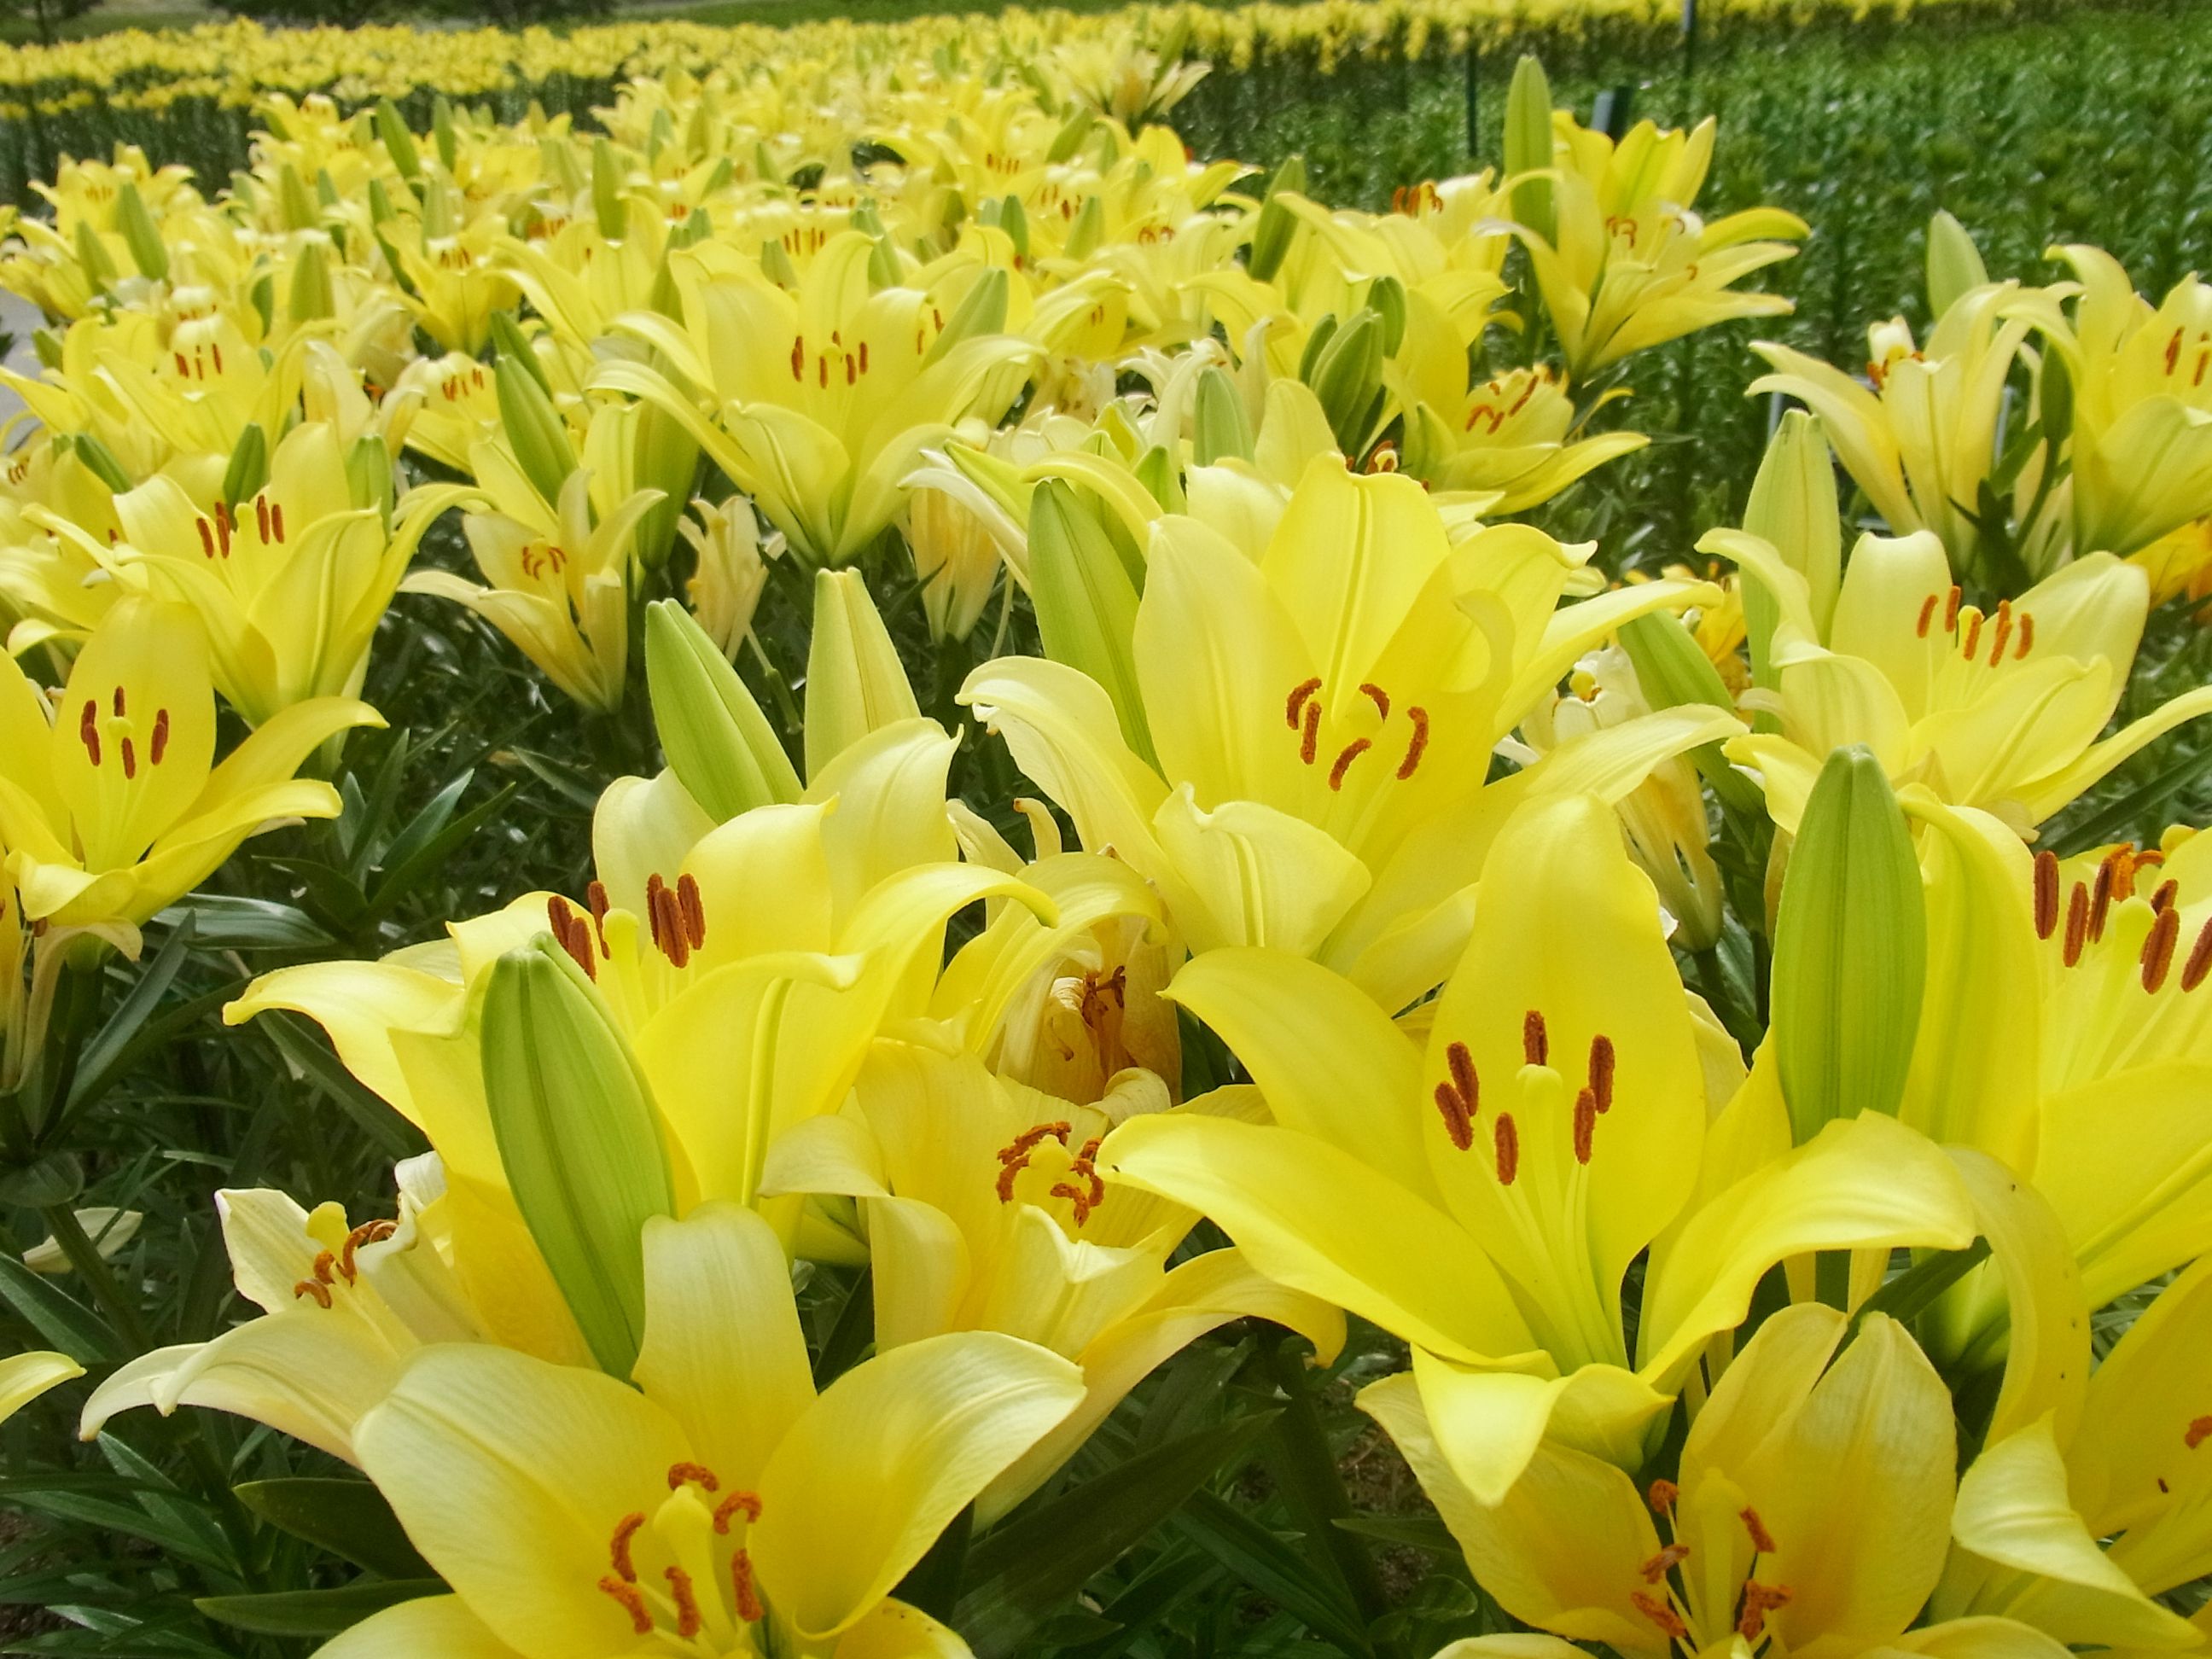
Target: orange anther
[2046,893]
[2077,923]
[2198,1433]
[1378,696]
[742,1589]
[2200,959]
[1761,1540]
[1927,615]
[680,1475]
[693,911]
[1458,1116]
[1664,1563]
[633,1603]
[159,745]
[618,1545]
[315,1288]
[2157,948]
[1951,611]
[1418,718]
[1353,751]
[1660,1614]
[688,1621]
[1601,1062]
[1311,742]
[746,1503]
[2168,891]
[1535,1042]
[2100,901]
[1462,1073]
[1585,1124]
[1506,1140]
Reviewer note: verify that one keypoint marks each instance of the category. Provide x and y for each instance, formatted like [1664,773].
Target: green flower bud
[140,234]
[1223,430]
[719,743]
[1086,602]
[577,1134]
[1850,949]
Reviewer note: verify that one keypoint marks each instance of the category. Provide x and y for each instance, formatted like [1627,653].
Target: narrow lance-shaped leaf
[1850,949]
[578,1140]
[1270,237]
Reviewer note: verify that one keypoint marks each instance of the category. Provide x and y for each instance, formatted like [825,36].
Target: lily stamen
[2200,959]
[1353,751]
[618,1545]
[745,1502]
[743,1590]
[1535,1041]
[2078,924]
[2157,948]
[1664,1563]
[689,1623]
[2046,893]
[683,1475]
[632,1602]
[1601,1062]
[1506,1141]
[1419,717]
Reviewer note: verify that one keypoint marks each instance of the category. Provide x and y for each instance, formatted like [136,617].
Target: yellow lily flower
[1922,443]
[25,1377]
[721,1507]
[1809,1515]
[730,567]
[2094,1084]
[110,804]
[747,967]
[560,569]
[820,401]
[1513,433]
[983,1210]
[2140,444]
[1484,1200]
[1297,757]
[291,582]
[2000,712]
[1626,264]
[453,278]
[343,1306]
[2073,1522]
[1664,815]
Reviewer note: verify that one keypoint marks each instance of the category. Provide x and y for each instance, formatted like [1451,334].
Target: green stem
[1306,1470]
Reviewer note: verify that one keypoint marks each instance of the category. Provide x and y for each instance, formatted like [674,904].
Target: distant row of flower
[234,63]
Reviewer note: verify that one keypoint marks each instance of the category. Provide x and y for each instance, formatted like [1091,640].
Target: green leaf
[47,1180]
[1850,949]
[348,1518]
[58,1317]
[1270,1566]
[232,921]
[1913,1291]
[1029,1568]
[315,1612]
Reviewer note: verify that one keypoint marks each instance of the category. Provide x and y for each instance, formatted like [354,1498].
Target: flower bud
[1086,601]
[1850,949]
[719,743]
[579,1139]
[730,569]
[956,557]
[1793,506]
[855,683]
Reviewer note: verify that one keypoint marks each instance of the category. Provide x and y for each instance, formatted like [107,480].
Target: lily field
[1199,832]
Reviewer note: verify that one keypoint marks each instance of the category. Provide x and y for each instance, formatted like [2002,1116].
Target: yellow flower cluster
[1389,801]
[236,62]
